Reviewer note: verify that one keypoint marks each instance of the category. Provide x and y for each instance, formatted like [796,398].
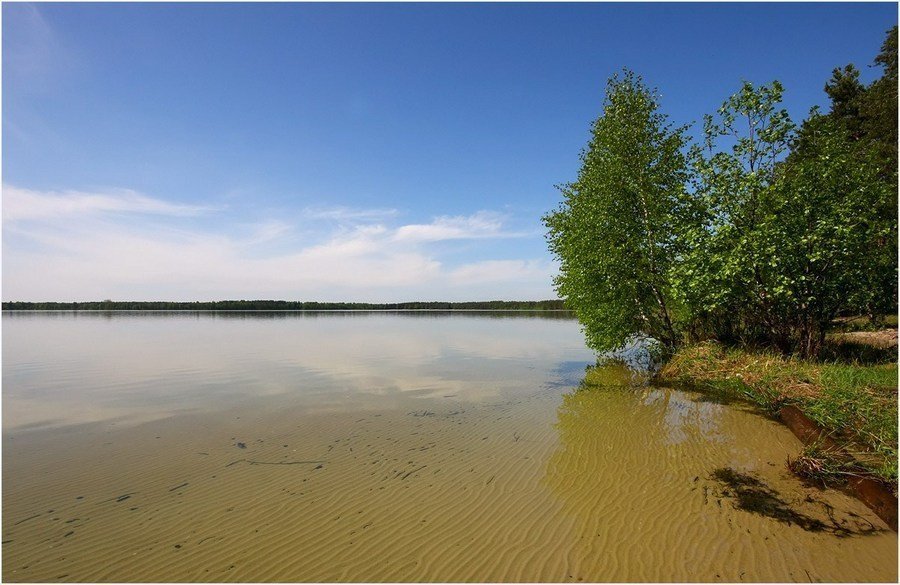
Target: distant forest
[548,305]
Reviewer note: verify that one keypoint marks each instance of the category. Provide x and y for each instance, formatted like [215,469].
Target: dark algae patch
[26,519]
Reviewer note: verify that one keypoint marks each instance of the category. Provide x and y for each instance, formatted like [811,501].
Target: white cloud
[24,204]
[124,245]
[503,271]
[342,213]
[268,231]
[484,224]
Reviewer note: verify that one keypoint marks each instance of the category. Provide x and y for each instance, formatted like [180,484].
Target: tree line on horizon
[271,305]
[760,233]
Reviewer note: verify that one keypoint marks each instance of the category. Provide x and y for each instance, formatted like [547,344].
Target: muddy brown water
[390,447]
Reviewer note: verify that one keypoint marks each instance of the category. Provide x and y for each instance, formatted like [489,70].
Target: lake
[390,447]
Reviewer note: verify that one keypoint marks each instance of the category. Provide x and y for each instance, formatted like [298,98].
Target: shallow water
[389,447]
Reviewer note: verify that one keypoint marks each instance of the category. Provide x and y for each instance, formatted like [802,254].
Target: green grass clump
[860,403]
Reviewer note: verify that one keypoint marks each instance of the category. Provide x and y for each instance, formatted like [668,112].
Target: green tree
[868,116]
[787,242]
[845,91]
[819,226]
[615,233]
[878,109]
[721,278]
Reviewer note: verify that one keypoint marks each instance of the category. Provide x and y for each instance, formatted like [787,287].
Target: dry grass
[883,338]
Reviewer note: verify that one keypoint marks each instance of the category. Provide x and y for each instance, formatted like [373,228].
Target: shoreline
[287,311]
[839,455]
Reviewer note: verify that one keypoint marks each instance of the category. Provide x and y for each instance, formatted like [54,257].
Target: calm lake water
[389,447]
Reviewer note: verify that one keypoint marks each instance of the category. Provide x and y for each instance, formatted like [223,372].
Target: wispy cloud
[76,246]
[267,231]
[24,204]
[33,53]
[342,213]
[489,271]
[30,45]
[484,224]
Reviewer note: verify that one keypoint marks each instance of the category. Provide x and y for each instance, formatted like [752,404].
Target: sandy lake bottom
[390,448]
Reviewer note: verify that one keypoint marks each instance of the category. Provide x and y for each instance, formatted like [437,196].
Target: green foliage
[878,110]
[787,243]
[722,273]
[764,239]
[868,118]
[615,233]
[846,92]
[887,58]
[869,114]
[827,223]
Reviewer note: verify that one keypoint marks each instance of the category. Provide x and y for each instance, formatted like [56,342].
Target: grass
[864,323]
[856,404]
[838,348]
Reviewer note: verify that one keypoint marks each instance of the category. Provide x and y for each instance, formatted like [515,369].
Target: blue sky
[362,152]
